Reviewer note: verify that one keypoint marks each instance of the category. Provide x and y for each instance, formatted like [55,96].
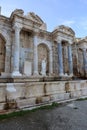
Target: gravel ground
[72,116]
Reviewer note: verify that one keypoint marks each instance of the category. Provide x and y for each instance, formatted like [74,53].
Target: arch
[47,44]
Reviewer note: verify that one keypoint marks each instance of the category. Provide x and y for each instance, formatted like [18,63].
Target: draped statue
[43,67]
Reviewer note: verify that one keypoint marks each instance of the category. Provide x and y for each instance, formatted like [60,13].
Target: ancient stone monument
[37,66]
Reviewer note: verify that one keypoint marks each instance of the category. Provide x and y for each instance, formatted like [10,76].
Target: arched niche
[43,53]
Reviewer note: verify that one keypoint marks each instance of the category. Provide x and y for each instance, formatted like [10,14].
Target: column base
[35,73]
[61,74]
[71,75]
[16,73]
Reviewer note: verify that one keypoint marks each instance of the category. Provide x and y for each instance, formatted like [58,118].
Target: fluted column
[70,60]
[85,61]
[35,56]
[60,59]
[50,62]
[16,51]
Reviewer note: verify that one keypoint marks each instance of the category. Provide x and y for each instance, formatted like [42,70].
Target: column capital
[17,27]
[70,42]
[59,39]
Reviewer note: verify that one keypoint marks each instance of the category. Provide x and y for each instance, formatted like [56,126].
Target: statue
[43,67]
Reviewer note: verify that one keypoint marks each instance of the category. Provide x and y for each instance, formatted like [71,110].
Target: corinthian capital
[17,26]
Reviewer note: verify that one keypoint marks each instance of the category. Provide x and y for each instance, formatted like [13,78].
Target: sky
[72,13]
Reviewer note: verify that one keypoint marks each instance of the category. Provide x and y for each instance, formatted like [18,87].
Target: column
[16,51]
[60,59]
[50,62]
[85,61]
[35,56]
[70,60]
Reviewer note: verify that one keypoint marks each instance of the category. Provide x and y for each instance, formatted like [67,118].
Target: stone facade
[24,38]
[24,44]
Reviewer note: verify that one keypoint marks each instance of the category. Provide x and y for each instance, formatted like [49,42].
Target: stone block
[2,106]
[34,90]
[55,87]
[72,86]
[66,96]
[15,91]
[59,96]
[75,94]
[84,92]
[83,85]
[20,90]
[26,102]
[42,99]
[45,99]
[2,92]
[27,68]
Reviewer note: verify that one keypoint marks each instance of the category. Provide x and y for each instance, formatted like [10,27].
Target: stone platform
[24,92]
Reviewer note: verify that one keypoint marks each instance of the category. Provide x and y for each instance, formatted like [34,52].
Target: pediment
[34,17]
[65,29]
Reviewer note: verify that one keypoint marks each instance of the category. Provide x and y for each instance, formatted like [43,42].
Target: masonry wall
[36,93]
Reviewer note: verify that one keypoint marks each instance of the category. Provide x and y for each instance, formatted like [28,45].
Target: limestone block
[55,87]
[2,106]
[45,99]
[42,99]
[15,90]
[84,92]
[75,94]
[66,96]
[59,96]
[26,102]
[27,68]
[20,90]
[34,90]
[72,86]
[2,92]
[83,85]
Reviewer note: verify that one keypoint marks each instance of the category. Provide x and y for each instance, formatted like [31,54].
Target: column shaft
[60,59]
[35,56]
[50,62]
[85,60]
[70,60]
[16,51]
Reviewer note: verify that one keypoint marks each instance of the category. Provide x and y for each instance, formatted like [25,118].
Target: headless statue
[43,67]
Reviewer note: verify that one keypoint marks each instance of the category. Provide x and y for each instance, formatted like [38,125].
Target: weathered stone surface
[45,99]
[24,44]
[60,96]
[27,68]
[2,106]
[34,43]
[3,92]
[26,102]
[18,93]
[53,88]
[34,90]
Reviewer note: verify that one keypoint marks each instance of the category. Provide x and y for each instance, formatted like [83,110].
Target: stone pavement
[71,116]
